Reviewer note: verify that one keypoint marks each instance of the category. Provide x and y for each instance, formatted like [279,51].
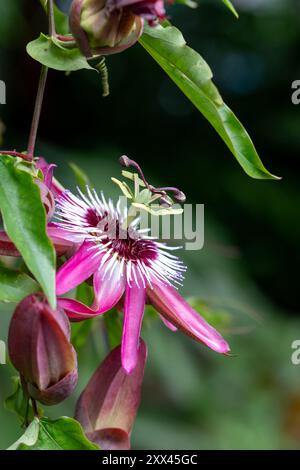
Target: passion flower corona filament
[124,254]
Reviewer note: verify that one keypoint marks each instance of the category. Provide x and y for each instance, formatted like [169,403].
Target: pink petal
[61,243]
[47,170]
[169,303]
[109,288]
[108,292]
[57,233]
[77,310]
[168,324]
[135,298]
[77,269]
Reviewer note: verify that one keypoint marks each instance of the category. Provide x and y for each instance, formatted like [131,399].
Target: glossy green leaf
[53,54]
[25,223]
[193,76]
[28,167]
[29,438]
[229,5]
[59,434]
[15,285]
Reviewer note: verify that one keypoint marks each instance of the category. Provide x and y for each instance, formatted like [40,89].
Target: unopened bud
[125,161]
[107,407]
[103,27]
[40,349]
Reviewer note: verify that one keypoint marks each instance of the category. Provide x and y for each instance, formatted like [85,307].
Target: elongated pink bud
[40,349]
[107,407]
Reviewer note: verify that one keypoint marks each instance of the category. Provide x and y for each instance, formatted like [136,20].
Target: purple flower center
[135,250]
[93,218]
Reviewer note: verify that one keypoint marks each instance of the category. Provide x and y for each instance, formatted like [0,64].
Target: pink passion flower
[126,265]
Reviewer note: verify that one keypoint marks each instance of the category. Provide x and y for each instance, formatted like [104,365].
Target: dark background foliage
[251,253]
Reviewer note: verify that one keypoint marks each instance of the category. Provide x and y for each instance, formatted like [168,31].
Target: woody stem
[37,112]
[41,90]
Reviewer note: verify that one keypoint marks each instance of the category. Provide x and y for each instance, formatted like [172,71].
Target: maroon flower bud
[107,407]
[103,27]
[40,349]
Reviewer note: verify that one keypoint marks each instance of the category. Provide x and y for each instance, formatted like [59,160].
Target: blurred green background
[249,267]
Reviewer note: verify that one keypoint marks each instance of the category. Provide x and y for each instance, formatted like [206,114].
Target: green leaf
[28,167]
[81,177]
[59,434]
[193,76]
[29,438]
[25,223]
[53,54]
[229,5]
[15,285]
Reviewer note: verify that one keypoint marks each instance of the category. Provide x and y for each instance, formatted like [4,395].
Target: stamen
[178,195]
